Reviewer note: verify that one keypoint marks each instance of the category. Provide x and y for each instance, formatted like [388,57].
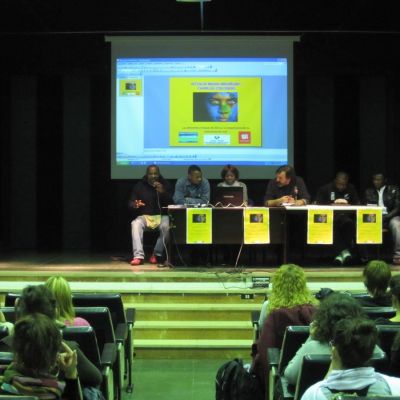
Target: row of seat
[108,342]
[314,367]
[372,312]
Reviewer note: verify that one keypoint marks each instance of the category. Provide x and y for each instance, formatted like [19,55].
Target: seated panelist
[286,188]
[193,189]
[230,176]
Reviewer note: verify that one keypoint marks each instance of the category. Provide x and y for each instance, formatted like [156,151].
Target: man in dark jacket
[148,198]
[286,188]
[387,196]
[340,192]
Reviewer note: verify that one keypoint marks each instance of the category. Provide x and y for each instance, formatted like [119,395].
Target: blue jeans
[138,226]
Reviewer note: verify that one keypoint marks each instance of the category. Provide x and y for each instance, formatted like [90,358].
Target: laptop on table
[224,196]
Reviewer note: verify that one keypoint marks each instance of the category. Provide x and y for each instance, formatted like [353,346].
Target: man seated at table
[193,189]
[286,188]
[340,192]
[387,196]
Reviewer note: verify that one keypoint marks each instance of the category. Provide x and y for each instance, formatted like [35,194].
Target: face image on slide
[215,107]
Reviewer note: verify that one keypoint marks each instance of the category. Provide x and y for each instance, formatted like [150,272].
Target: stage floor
[23,264]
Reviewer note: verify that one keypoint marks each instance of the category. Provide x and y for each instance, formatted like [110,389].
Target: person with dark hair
[286,188]
[148,198]
[39,299]
[230,176]
[39,354]
[192,190]
[330,311]
[353,344]
[394,290]
[388,197]
[340,192]
[377,276]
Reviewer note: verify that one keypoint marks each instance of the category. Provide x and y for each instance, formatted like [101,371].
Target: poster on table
[199,225]
[256,225]
[369,226]
[320,226]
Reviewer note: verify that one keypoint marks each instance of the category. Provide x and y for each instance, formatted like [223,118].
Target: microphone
[296,192]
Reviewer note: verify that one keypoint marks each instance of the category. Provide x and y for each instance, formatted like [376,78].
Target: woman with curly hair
[290,303]
[289,289]
[331,310]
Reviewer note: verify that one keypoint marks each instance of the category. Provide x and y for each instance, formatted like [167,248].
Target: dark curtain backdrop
[56,192]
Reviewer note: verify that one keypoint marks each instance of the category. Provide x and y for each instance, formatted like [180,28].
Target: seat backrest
[6,357]
[386,335]
[85,336]
[112,301]
[351,397]
[314,368]
[294,337]
[3,332]
[10,298]
[100,319]
[9,313]
[379,312]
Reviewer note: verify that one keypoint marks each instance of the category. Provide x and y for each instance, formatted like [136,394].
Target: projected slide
[207,112]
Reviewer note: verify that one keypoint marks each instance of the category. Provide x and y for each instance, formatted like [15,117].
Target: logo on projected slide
[188,137]
[244,137]
[217,139]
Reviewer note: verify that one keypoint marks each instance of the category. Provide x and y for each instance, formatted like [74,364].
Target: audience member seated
[39,299]
[63,295]
[394,289]
[290,303]
[230,176]
[394,366]
[377,275]
[353,344]
[37,360]
[331,310]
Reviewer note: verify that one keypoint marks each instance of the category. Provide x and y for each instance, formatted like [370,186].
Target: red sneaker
[153,259]
[136,261]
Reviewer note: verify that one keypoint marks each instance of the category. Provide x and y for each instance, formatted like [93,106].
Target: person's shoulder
[325,186]
[78,321]
[182,180]
[393,188]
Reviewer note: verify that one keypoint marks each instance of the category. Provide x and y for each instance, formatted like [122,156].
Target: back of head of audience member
[331,310]
[63,296]
[354,341]
[377,276]
[289,288]
[36,343]
[36,299]
[394,287]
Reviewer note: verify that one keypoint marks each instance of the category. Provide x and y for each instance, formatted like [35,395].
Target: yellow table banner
[256,225]
[369,226]
[320,226]
[199,225]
